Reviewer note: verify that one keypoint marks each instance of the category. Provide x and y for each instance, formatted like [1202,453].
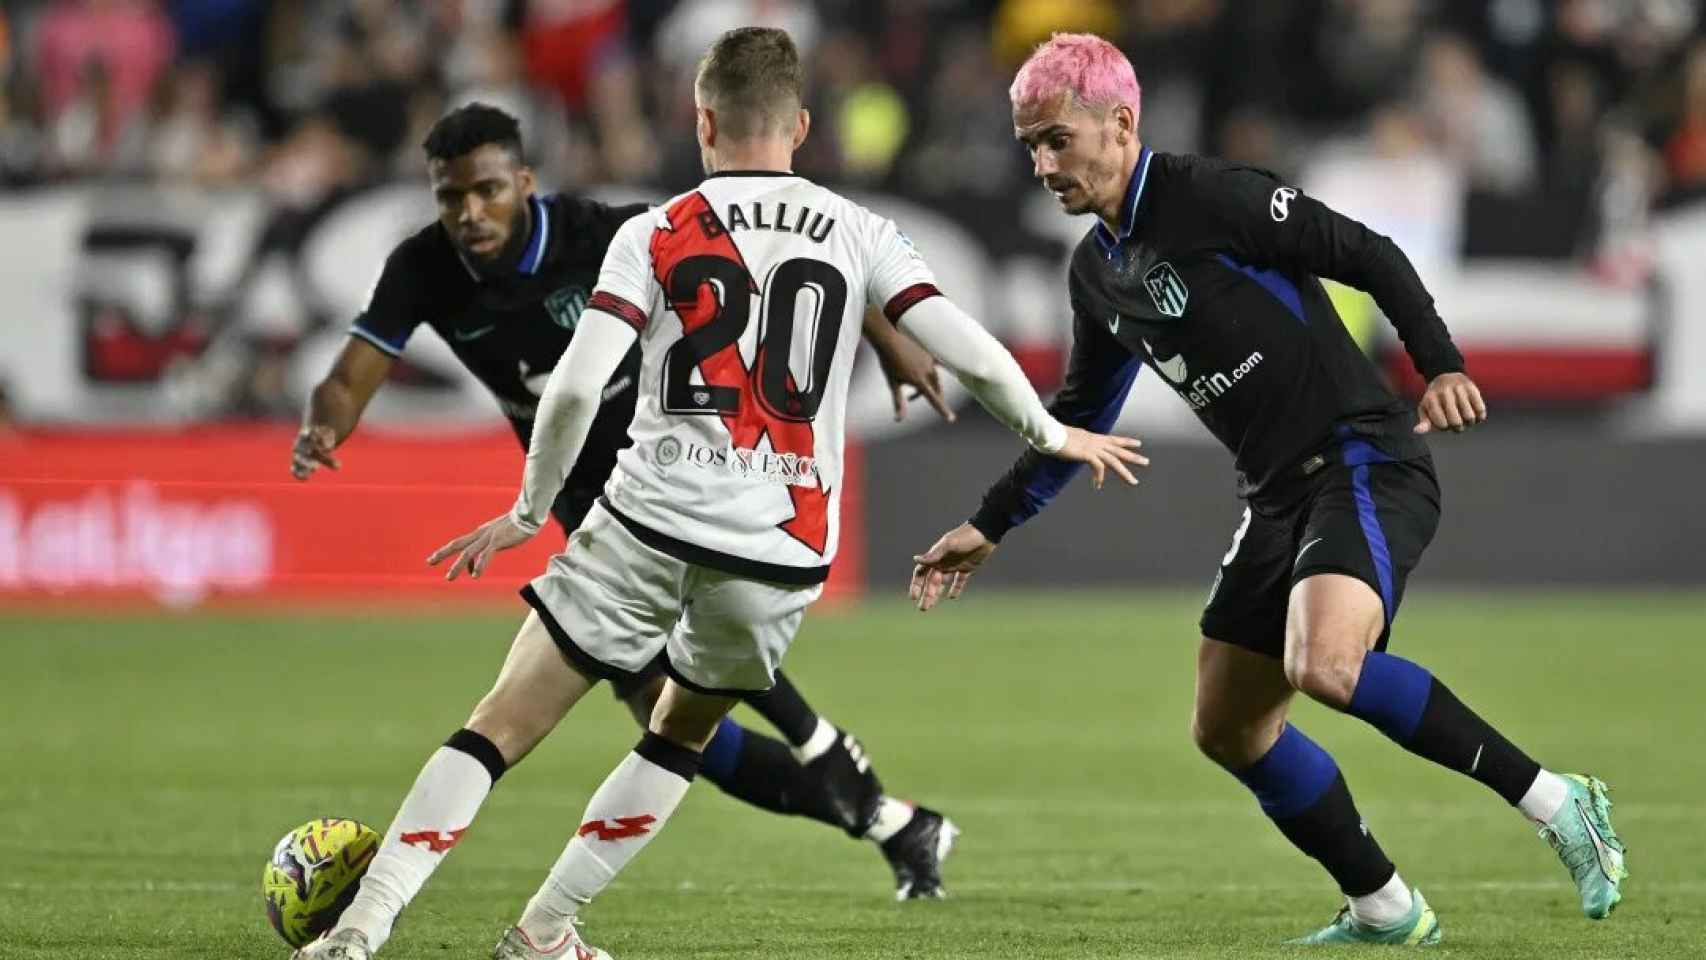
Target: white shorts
[612,604]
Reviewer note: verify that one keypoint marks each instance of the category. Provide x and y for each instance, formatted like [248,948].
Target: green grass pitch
[151,762]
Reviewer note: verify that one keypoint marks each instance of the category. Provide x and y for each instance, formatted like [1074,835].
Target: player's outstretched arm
[560,426]
[1098,380]
[994,378]
[1266,221]
[905,364]
[335,406]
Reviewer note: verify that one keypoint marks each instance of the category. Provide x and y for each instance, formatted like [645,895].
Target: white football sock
[434,815]
[628,809]
[818,743]
[892,815]
[1385,906]
[1545,797]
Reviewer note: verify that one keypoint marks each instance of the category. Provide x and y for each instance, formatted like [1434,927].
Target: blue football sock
[722,754]
[1422,715]
[1392,693]
[1301,790]
[1291,776]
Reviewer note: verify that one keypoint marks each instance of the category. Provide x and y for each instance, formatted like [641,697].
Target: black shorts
[1369,518]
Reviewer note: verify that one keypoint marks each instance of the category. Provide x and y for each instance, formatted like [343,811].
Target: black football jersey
[509,330]
[1213,282]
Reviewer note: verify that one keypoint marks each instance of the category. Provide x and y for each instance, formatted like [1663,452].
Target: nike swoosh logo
[1114,324]
[463,336]
[1602,850]
[1305,549]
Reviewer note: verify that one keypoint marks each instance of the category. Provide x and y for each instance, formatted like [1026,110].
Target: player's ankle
[1384,907]
[1545,797]
[372,923]
[892,816]
[544,932]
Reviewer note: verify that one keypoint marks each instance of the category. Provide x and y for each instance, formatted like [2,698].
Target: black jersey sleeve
[1099,375]
[1265,221]
[593,225]
[395,307]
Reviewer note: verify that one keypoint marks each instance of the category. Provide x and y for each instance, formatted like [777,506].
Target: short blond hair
[753,78]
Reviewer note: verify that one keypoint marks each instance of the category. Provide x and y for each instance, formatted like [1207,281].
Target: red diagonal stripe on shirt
[696,230]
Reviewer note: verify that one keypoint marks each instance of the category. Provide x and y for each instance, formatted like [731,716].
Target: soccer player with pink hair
[1209,272]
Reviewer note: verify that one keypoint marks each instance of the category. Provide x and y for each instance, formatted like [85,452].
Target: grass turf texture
[151,763]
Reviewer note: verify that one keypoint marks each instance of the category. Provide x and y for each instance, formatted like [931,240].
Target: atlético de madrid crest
[565,306]
[1166,289]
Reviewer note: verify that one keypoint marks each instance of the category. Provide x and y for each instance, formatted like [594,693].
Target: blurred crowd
[1586,107]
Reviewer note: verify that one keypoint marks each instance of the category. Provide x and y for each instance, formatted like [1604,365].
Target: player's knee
[1323,670]
[1230,744]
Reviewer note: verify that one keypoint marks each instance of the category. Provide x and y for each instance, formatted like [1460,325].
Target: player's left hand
[906,364]
[1452,402]
[478,546]
[313,450]
[947,566]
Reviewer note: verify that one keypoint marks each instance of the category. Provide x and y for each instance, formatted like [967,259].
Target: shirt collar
[534,253]
[1133,194]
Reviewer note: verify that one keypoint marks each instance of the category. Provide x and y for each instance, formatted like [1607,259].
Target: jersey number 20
[775,385]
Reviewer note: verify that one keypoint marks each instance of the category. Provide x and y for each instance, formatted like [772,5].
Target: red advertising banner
[211,513]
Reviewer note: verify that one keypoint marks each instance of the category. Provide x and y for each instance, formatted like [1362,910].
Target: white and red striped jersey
[748,294]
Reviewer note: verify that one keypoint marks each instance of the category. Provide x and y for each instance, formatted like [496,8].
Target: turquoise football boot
[1582,835]
[1420,928]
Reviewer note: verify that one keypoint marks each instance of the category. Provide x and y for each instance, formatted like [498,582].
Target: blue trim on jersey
[1053,474]
[1133,193]
[1273,282]
[1291,777]
[535,252]
[1371,532]
[385,346]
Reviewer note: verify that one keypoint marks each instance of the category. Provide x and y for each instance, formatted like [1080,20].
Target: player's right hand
[906,364]
[948,565]
[1103,453]
[478,545]
[313,450]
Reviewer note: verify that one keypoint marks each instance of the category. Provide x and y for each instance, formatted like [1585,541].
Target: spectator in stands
[1481,122]
[97,63]
[189,136]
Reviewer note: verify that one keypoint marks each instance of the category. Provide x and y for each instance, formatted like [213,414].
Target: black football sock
[763,772]
[1423,716]
[1301,790]
[786,710]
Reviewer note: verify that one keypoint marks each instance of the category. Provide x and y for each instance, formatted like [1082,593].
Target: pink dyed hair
[1093,70]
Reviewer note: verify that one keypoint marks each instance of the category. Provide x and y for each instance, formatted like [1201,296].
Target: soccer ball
[313,875]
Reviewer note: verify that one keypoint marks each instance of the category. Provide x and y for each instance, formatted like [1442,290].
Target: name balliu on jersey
[748,294]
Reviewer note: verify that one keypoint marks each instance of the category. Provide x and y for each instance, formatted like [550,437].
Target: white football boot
[346,944]
[516,946]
